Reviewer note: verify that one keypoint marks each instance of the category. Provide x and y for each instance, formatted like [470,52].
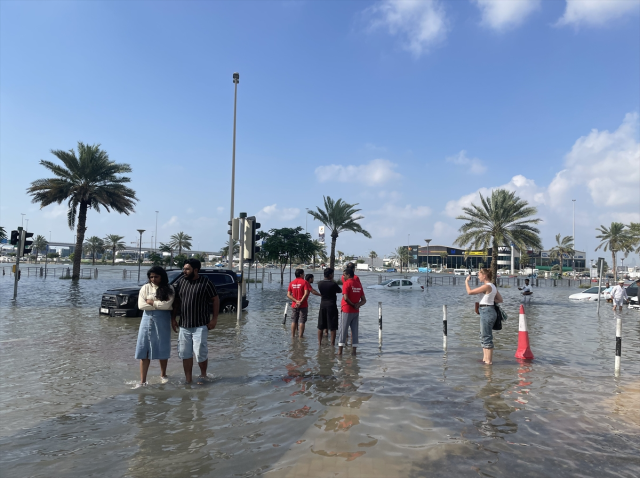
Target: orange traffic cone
[524,351]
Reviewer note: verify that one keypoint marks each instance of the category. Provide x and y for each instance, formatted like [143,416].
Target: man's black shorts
[328,317]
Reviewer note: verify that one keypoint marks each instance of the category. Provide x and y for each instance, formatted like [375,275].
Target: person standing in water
[298,292]
[352,299]
[328,316]
[488,314]
[154,335]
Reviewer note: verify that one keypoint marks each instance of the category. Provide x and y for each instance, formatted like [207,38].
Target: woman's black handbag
[500,316]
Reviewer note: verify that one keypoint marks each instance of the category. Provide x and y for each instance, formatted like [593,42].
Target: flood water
[279,407]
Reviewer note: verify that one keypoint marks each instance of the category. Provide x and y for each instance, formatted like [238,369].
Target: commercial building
[449,257]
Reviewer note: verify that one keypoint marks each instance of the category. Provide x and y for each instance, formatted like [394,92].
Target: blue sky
[407,108]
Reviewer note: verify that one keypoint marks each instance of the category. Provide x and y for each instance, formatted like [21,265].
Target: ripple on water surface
[284,407]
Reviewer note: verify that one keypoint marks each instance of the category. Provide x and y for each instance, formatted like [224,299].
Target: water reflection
[498,413]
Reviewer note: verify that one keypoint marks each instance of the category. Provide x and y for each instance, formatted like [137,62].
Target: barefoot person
[154,336]
[352,299]
[488,315]
[618,296]
[195,297]
[298,292]
[328,317]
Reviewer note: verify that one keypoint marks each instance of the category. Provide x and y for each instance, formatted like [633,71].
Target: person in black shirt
[195,296]
[328,315]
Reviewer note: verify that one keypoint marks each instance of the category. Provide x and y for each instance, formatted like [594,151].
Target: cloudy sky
[409,108]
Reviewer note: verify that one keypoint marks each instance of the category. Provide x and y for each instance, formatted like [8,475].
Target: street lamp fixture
[140,253]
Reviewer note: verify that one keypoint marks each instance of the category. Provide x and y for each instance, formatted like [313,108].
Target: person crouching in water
[352,299]
[154,336]
[488,315]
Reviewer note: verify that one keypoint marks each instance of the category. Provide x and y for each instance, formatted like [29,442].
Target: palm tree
[501,219]
[373,255]
[3,233]
[224,252]
[340,255]
[181,241]
[443,258]
[338,216]
[39,244]
[563,247]
[634,232]
[87,181]
[114,243]
[616,239]
[167,248]
[93,246]
[401,254]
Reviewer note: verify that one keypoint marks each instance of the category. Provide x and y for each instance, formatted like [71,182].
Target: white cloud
[596,12]
[443,233]
[606,164]
[398,212]
[171,222]
[377,171]
[525,188]
[56,211]
[472,165]
[272,212]
[501,15]
[419,23]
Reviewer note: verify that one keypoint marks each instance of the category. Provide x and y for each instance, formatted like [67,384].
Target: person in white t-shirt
[618,295]
[526,290]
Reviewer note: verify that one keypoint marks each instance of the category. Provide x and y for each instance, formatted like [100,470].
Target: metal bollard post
[618,345]
[380,323]
[379,278]
[444,327]
[284,320]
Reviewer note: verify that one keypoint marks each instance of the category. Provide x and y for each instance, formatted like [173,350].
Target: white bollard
[284,320]
[444,327]
[618,345]
[380,323]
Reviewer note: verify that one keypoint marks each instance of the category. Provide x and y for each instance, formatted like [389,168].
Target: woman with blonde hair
[487,309]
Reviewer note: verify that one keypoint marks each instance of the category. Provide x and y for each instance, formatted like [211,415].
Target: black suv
[123,302]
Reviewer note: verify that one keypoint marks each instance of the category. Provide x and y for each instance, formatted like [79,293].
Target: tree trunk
[93,258]
[113,256]
[332,257]
[494,262]
[282,266]
[615,267]
[80,231]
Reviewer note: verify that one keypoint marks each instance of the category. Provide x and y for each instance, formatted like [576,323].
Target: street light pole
[22,219]
[155,244]
[427,241]
[140,253]
[306,220]
[408,256]
[574,241]
[236,80]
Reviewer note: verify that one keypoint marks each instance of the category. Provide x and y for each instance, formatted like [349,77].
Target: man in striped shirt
[195,296]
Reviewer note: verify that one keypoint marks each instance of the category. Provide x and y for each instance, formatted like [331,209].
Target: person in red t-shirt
[352,299]
[298,292]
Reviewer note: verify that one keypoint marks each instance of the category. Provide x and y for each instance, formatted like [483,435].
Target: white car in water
[588,294]
[398,284]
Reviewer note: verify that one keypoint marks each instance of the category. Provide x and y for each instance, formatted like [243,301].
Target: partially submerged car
[398,284]
[588,294]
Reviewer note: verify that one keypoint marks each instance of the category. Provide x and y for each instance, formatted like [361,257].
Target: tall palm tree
[615,238]
[87,181]
[500,220]
[94,245]
[113,242]
[563,247]
[443,258]
[167,248]
[401,254]
[224,252]
[338,216]
[39,245]
[181,241]
[3,233]
[634,232]
[373,255]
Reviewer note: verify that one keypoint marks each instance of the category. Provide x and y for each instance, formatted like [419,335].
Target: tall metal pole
[155,244]
[243,216]
[140,253]
[601,263]
[574,241]
[236,80]
[427,241]
[22,219]
[16,275]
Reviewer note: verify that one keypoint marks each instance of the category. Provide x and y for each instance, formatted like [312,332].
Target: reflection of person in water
[498,422]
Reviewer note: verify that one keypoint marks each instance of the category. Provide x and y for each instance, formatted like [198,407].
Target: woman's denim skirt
[488,317]
[154,335]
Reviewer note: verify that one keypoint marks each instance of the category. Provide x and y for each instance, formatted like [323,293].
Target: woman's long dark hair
[164,291]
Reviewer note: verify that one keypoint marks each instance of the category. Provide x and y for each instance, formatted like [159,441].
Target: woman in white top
[488,315]
[154,336]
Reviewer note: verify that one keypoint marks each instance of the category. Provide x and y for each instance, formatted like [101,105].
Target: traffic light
[15,238]
[26,243]
[250,238]
[234,232]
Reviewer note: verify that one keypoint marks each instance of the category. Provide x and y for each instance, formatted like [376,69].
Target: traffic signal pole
[243,216]
[16,275]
